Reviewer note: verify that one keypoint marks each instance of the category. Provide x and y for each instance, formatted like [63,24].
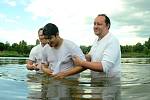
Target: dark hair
[50,29]
[107,20]
[40,29]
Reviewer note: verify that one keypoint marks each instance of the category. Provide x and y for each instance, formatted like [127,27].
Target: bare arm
[95,66]
[69,72]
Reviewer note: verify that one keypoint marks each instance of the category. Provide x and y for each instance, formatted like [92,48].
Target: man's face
[52,40]
[41,37]
[100,26]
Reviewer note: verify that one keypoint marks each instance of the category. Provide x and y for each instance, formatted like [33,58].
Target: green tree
[7,46]
[2,46]
[85,49]
[23,49]
[127,48]
[138,48]
[147,43]
[37,42]
[15,47]
[146,51]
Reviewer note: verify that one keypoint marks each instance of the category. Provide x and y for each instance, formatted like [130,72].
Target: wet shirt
[61,59]
[107,51]
[36,55]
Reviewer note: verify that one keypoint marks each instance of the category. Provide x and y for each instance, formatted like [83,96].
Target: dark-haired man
[59,57]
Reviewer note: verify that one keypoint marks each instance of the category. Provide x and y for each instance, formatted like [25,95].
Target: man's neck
[104,34]
[43,44]
[59,43]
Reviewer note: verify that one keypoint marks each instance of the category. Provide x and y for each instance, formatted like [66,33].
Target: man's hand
[77,61]
[32,66]
[88,57]
[35,67]
[47,70]
[60,75]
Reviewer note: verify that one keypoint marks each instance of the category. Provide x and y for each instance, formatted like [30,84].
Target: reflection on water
[20,84]
[136,60]
[135,74]
[42,87]
[135,81]
[12,60]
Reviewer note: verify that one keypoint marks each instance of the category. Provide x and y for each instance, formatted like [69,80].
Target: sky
[21,19]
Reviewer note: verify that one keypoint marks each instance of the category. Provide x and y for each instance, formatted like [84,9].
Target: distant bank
[123,55]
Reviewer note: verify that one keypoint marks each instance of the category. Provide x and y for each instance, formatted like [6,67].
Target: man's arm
[95,66]
[69,72]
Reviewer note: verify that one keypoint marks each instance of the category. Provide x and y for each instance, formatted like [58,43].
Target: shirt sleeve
[32,55]
[110,56]
[106,66]
[76,51]
[44,57]
[93,45]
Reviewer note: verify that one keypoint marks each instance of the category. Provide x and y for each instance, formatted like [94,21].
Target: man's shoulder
[36,47]
[69,43]
[47,47]
[113,38]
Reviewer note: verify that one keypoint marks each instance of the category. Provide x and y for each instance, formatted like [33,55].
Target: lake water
[17,83]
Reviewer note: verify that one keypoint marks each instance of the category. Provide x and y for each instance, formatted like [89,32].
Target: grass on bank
[123,55]
[134,55]
[11,54]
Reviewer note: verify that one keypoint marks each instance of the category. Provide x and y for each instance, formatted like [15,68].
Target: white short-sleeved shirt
[36,55]
[107,51]
[61,59]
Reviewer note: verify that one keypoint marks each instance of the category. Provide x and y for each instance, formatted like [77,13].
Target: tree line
[16,49]
[141,50]
[23,49]
[137,50]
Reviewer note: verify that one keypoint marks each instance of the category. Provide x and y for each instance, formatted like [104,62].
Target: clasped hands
[49,72]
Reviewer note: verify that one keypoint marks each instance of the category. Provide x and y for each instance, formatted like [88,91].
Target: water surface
[17,83]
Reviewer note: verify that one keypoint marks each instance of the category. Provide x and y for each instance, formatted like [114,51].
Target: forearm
[95,66]
[74,70]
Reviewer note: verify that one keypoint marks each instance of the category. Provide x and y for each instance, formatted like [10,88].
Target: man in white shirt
[35,56]
[58,60]
[104,61]
[104,56]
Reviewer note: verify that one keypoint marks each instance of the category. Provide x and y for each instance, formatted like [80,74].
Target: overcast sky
[21,19]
